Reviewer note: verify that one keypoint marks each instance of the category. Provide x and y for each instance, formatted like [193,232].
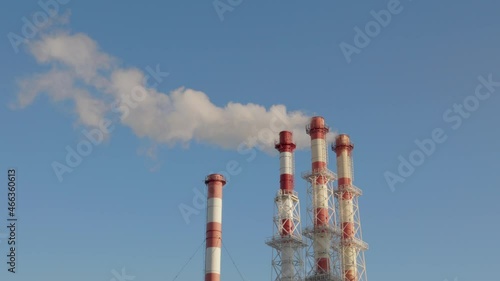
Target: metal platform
[278,242]
[323,277]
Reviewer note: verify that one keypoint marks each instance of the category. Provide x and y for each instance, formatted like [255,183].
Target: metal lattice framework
[287,262]
[331,232]
[351,249]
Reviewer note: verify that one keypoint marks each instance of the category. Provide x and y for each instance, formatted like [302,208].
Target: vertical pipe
[285,206]
[317,129]
[343,149]
[215,183]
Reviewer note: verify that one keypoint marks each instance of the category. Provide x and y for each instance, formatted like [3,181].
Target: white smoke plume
[97,86]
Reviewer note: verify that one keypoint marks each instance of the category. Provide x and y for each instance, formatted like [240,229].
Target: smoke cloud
[97,86]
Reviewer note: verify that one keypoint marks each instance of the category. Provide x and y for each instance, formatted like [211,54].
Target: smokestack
[351,243]
[322,199]
[215,183]
[287,241]
[286,148]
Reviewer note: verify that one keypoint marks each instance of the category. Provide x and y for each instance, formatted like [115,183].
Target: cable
[186,264]
[232,260]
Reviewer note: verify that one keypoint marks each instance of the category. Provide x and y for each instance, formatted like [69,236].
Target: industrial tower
[335,251]
[352,246]
[215,183]
[287,241]
[324,260]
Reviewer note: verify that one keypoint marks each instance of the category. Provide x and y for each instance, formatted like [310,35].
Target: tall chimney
[351,243]
[287,240]
[215,183]
[323,208]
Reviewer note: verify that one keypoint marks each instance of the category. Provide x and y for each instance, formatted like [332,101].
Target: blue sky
[119,208]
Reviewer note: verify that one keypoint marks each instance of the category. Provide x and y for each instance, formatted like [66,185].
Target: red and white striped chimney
[343,148]
[286,204]
[317,129]
[215,183]
[286,148]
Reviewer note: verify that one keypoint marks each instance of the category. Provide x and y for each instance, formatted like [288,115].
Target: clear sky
[120,207]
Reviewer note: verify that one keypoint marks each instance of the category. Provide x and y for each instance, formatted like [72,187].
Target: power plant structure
[323,230]
[334,248]
[352,246]
[215,183]
[287,240]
